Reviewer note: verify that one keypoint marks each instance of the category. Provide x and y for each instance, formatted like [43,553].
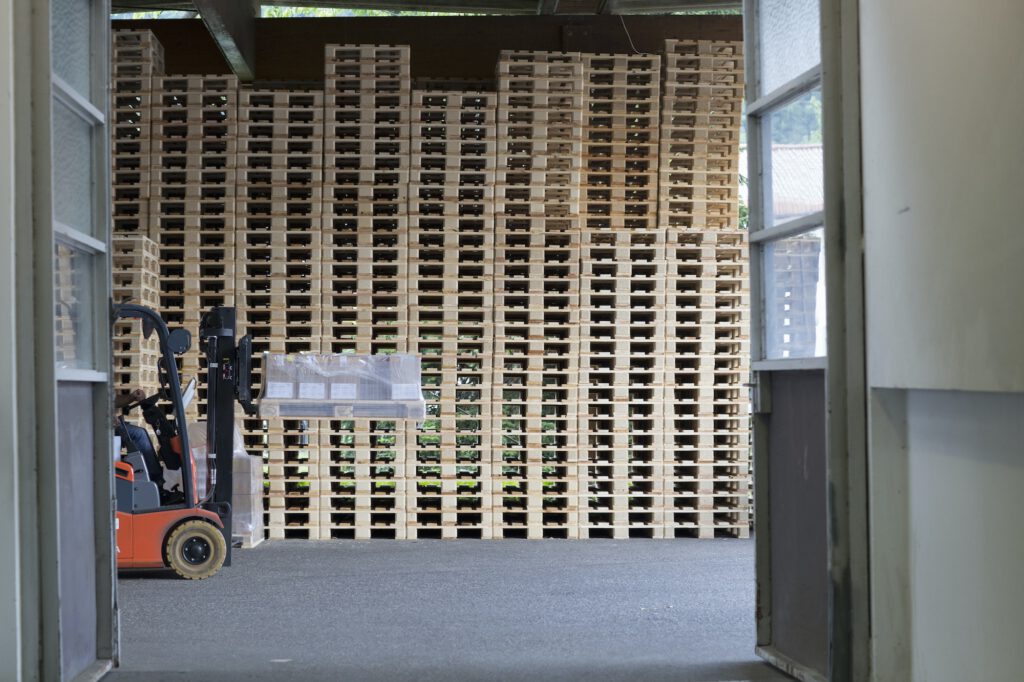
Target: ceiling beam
[232,23]
[118,6]
[667,6]
[468,6]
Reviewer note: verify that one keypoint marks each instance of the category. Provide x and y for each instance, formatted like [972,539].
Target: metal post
[217,332]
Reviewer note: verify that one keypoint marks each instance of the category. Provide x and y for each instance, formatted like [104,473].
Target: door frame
[36,232]
[845,361]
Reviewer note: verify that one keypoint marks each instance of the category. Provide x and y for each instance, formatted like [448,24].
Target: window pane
[73,169]
[71,34]
[73,286]
[796,160]
[794,296]
[790,40]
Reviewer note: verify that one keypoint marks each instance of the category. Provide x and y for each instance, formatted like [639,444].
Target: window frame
[91,107]
[761,106]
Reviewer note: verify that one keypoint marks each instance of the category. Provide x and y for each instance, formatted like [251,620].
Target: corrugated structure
[564,254]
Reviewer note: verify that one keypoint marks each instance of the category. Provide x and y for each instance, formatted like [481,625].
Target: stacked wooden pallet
[137,58]
[451,279]
[536,294]
[67,325]
[278,265]
[622,302]
[708,301]
[562,254]
[135,262]
[795,265]
[192,208]
[365,303]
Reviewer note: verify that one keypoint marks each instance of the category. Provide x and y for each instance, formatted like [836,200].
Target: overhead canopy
[232,23]
[471,6]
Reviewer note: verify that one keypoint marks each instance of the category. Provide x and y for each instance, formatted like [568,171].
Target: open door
[807,336]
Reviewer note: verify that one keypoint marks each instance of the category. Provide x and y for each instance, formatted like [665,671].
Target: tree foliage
[799,122]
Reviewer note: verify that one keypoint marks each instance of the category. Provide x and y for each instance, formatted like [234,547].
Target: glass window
[794,296]
[71,24]
[796,160]
[790,40]
[73,169]
[73,287]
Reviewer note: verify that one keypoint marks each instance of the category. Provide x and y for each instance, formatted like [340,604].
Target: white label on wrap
[343,391]
[279,389]
[312,391]
[406,392]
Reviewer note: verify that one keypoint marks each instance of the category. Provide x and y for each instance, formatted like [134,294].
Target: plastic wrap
[206,467]
[247,480]
[247,491]
[342,386]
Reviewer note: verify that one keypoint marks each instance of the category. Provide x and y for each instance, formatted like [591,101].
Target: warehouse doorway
[534,321]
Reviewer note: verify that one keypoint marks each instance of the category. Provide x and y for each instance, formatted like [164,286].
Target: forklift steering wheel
[145,402]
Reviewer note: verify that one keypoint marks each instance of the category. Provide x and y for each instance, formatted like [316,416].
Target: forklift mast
[229,378]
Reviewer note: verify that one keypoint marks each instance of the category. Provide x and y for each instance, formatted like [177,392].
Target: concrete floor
[596,610]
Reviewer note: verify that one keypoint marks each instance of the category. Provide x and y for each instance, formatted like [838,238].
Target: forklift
[186,530]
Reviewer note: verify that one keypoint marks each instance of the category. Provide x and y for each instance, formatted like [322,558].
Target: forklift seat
[145,494]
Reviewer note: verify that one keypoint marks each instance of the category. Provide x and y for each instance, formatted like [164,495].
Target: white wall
[966,474]
[942,95]
[942,92]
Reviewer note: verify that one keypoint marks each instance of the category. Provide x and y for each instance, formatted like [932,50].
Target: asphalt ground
[451,610]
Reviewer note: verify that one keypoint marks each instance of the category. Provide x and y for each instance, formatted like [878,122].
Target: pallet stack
[278,249]
[562,254]
[135,262]
[451,292]
[536,294]
[66,325]
[365,303]
[622,302]
[137,58]
[795,266]
[192,208]
[707,412]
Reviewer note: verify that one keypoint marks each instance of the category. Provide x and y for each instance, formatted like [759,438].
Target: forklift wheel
[196,550]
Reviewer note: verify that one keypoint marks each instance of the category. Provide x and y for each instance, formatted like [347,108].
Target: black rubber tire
[195,550]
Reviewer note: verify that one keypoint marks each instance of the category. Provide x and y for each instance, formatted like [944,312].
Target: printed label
[343,391]
[279,389]
[312,391]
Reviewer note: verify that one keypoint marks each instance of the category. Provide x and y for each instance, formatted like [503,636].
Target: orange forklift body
[186,532]
[141,537]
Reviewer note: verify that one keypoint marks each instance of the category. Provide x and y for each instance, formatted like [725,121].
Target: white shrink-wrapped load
[246,488]
[336,386]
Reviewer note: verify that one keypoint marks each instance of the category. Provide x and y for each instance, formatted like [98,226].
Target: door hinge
[760,393]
